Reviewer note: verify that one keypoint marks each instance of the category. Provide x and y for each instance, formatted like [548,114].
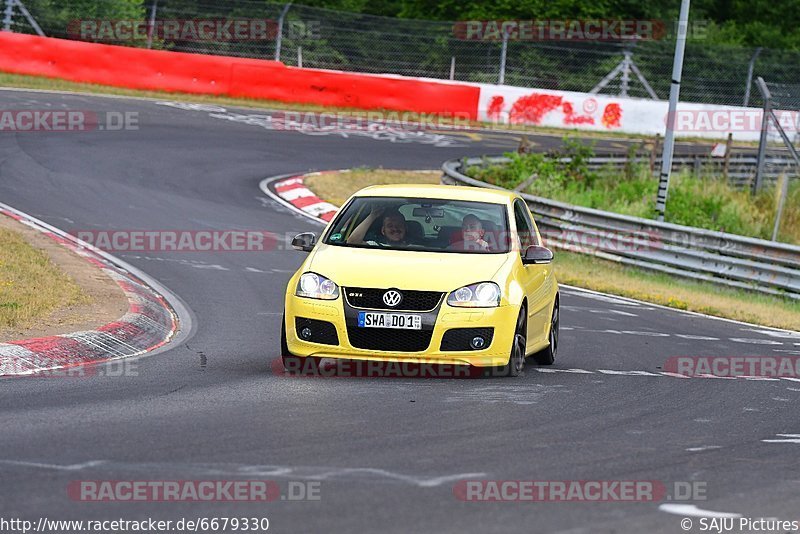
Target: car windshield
[423,224]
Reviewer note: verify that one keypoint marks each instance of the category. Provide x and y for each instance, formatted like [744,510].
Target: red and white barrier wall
[262,79]
[584,111]
[138,68]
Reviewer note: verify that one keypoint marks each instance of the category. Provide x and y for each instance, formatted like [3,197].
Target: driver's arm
[356,237]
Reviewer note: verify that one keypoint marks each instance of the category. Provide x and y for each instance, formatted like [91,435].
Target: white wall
[583,111]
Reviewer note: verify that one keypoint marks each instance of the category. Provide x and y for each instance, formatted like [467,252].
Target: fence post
[300,56]
[726,160]
[452,68]
[279,38]
[674,93]
[151,28]
[626,73]
[781,201]
[656,143]
[501,80]
[750,76]
[762,142]
[8,16]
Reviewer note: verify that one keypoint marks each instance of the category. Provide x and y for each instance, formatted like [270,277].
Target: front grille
[459,338]
[389,339]
[372,298]
[321,331]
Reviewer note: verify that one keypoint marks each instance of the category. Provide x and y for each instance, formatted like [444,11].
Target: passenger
[472,235]
[393,229]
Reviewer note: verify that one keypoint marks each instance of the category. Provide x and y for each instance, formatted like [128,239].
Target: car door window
[525,233]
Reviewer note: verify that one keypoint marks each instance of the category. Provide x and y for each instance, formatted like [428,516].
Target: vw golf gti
[425,274]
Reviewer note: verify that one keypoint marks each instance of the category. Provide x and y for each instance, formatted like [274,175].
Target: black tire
[548,355]
[516,358]
[295,364]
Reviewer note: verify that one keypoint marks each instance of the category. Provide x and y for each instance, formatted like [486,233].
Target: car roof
[445,192]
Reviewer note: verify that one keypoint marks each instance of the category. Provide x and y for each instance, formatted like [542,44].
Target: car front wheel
[516,359]
[548,355]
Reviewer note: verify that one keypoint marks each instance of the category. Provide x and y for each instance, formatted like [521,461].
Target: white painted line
[684,312]
[55,467]
[703,448]
[755,341]
[786,438]
[690,510]
[626,373]
[574,371]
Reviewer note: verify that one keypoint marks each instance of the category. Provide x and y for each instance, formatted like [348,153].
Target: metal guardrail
[741,169]
[727,259]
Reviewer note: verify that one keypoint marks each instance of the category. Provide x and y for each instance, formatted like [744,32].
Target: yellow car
[424,274]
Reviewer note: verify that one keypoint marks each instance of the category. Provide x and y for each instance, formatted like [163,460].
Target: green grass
[701,201]
[31,286]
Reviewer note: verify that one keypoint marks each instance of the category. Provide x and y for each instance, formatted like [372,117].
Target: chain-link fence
[327,39]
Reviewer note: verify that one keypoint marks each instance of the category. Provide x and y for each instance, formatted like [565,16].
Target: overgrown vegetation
[704,201]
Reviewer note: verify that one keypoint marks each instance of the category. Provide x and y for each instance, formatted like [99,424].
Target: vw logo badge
[392,298]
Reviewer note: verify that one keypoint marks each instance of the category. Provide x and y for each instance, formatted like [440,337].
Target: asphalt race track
[387,452]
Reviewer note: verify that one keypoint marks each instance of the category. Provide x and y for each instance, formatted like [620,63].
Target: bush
[701,201]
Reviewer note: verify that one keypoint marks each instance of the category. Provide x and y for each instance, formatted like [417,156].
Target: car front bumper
[323,316]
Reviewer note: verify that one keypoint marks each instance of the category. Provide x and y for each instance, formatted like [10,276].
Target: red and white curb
[150,323]
[291,190]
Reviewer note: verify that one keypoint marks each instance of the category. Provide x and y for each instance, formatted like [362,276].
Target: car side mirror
[304,242]
[537,254]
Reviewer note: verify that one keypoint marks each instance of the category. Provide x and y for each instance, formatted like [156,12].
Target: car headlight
[481,295]
[315,286]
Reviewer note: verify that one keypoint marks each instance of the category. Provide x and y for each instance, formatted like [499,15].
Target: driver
[393,229]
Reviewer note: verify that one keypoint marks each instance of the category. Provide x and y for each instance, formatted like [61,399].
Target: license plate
[402,321]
